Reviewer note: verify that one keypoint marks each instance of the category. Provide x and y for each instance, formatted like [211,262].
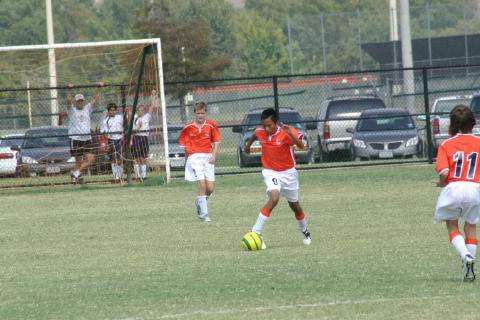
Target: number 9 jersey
[458,157]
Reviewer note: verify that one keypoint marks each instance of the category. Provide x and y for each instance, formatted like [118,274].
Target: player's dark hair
[200,106]
[111,105]
[461,120]
[269,113]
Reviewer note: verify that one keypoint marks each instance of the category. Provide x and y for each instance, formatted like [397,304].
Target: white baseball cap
[79,97]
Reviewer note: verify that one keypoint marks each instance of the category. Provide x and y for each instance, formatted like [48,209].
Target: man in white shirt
[112,125]
[79,114]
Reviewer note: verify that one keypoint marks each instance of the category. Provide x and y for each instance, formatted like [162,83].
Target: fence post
[275,94]
[427,116]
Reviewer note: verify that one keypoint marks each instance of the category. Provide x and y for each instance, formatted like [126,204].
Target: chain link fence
[348,119]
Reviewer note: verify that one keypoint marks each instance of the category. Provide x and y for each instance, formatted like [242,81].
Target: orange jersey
[458,156]
[199,139]
[277,149]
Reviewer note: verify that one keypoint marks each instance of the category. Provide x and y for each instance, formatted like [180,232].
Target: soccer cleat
[80,179]
[467,268]
[307,240]
[74,179]
[205,219]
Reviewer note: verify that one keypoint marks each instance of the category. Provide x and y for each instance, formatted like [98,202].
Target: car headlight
[152,156]
[71,160]
[359,143]
[256,143]
[29,160]
[412,142]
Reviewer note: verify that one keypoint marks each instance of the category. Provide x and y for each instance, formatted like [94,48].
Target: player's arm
[69,96]
[249,142]
[215,151]
[296,140]
[96,96]
[442,167]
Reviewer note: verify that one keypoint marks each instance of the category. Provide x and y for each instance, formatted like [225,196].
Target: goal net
[55,123]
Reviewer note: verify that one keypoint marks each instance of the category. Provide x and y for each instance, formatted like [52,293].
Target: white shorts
[198,168]
[459,200]
[284,181]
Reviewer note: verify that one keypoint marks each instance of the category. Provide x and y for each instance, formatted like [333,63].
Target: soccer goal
[53,134]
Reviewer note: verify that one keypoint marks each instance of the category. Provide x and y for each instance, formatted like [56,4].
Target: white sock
[143,170]
[202,203]
[114,169]
[136,168]
[472,248]
[260,223]
[76,173]
[302,225]
[458,242]
[119,171]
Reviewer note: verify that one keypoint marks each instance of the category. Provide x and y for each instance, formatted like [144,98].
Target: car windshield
[8,142]
[475,106]
[443,107]
[291,118]
[383,123]
[344,109]
[46,139]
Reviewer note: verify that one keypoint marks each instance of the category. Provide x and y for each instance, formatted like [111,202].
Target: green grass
[114,252]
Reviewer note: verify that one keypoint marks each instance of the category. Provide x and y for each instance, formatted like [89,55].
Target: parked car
[337,114]
[440,119]
[9,154]
[46,150]
[252,120]
[156,157]
[385,134]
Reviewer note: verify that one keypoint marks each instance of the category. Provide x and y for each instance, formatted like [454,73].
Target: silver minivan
[335,115]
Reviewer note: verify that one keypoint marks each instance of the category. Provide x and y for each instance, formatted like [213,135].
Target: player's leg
[201,201]
[471,240]
[301,220]
[111,157]
[458,242]
[144,156]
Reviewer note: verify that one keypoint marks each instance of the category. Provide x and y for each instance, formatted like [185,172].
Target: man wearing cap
[79,115]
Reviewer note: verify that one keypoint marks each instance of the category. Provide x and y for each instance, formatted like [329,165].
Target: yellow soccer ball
[251,241]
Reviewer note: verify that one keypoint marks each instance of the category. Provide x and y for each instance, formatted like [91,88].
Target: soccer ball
[251,241]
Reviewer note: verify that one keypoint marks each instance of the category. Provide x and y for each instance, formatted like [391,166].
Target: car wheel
[322,156]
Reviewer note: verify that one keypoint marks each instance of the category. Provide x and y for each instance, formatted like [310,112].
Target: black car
[252,120]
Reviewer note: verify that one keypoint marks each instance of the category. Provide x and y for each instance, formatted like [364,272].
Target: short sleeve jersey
[113,126]
[277,149]
[199,139]
[80,122]
[142,124]
[459,158]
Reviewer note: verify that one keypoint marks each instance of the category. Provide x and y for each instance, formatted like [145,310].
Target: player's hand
[212,160]
[247,149]
[69,85]
[100,84]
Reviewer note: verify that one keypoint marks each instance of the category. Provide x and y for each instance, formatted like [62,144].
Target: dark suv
[252,120]
[335,115]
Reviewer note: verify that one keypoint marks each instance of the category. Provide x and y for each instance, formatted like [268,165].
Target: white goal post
[152,41]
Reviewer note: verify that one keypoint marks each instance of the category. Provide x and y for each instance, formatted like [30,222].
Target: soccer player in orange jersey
[459,176]
[279,173]
[201,139]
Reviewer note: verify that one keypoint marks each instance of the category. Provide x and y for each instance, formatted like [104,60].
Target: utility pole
[407,59]
[52,65]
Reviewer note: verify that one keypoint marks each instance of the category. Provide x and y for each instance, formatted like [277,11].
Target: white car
[8,157]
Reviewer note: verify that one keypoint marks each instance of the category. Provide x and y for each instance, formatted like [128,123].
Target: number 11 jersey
[458,157]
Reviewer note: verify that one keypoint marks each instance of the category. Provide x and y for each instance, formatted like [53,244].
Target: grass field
[140,252]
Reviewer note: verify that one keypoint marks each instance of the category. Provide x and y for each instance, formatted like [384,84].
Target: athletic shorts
[114,149]
[459,200]
[78,148]
[141,147]
[284,181]
[198,167]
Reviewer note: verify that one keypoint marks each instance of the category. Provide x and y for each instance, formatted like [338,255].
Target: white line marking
[311,305]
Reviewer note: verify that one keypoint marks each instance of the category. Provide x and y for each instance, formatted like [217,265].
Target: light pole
[52,69]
